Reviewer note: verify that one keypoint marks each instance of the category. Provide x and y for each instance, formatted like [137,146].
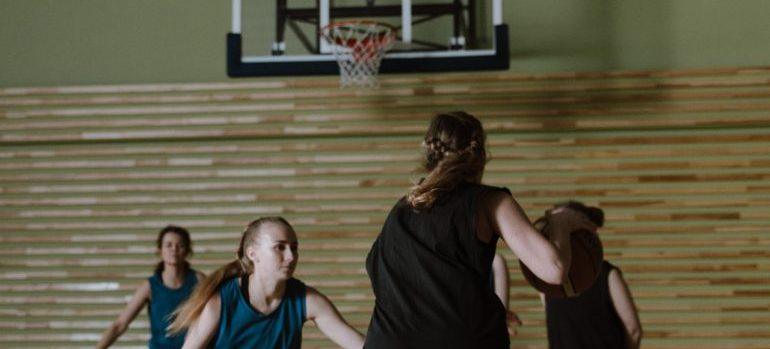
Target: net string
[359,48]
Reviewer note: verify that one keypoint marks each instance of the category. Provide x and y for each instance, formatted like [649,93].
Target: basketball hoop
[359,47]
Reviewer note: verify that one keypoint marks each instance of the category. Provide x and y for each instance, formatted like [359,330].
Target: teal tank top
[163,302]
[242,326]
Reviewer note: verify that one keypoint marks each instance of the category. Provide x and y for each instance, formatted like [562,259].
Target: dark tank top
[588,321]
[430,275]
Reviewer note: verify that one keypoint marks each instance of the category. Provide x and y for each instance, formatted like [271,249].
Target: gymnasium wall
[89,174]
[76,42]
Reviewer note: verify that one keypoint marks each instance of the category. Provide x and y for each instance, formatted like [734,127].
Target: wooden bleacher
[679,160]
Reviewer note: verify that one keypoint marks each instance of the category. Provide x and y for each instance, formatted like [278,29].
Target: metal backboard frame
[455,57]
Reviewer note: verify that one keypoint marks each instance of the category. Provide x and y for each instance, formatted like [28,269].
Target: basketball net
[359,47]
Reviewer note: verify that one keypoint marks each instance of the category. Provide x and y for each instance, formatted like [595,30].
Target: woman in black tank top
[603,316]
[430,266]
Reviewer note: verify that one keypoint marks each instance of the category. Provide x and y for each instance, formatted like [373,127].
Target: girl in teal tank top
[242,326]
[254,301]
[163,301]
[171,284]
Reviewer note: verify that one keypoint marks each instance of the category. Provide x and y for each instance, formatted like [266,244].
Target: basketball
[587,257]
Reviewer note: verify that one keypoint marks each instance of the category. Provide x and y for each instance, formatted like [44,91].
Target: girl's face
[172,249]
[275,251]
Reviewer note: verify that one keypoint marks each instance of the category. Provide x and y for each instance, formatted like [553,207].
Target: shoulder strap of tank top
[190,278]
[478,191]
[608,267]
[243,288]
[298,291]
[155,279]
[477,194]
[297,287]
[603,280]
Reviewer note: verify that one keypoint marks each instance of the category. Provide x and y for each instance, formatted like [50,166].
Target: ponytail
[189,312]
[454,153]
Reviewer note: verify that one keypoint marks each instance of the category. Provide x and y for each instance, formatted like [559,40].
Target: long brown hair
[186,241]
[454,153]
[189,312]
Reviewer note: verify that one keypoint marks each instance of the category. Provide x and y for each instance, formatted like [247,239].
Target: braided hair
[454,153]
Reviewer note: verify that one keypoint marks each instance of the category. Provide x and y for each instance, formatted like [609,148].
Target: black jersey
[430,274]
[588,321]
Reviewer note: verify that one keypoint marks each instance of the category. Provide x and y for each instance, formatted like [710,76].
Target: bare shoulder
[214,303]
[145,284]
[144,289]
[141,296]
[313,295]
[495,198]
[615,279]
[500,203]
[615,275]
[317,304]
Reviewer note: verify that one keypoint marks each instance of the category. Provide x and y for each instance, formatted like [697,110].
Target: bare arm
[534,250]
[624,306]
[203,329]
[330,322]
[500,272]
[119,326]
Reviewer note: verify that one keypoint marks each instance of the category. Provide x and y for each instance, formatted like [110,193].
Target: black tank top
[588,321]
[430,275]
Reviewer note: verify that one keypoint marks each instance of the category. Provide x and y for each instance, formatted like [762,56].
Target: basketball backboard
[281,37]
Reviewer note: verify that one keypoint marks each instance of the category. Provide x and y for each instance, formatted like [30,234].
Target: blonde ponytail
[190,310]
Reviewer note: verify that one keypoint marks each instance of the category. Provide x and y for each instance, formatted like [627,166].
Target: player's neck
[172,275]
[265,292]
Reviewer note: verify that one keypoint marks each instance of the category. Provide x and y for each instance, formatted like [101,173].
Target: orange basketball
[587,257]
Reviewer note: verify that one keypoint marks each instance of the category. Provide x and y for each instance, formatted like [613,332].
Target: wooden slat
[680,160]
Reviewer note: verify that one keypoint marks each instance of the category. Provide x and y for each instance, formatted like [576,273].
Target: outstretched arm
[549,260]
[203,329]
[330,322]
[119,326]
[624,306]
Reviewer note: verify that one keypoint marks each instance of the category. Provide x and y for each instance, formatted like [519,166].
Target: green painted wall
[72,42]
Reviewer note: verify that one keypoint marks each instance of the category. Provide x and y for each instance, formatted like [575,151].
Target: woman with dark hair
[254,302]
[603,316]
[171,284]
[431,264]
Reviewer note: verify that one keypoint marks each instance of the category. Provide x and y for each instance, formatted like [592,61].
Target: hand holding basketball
[586,251]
